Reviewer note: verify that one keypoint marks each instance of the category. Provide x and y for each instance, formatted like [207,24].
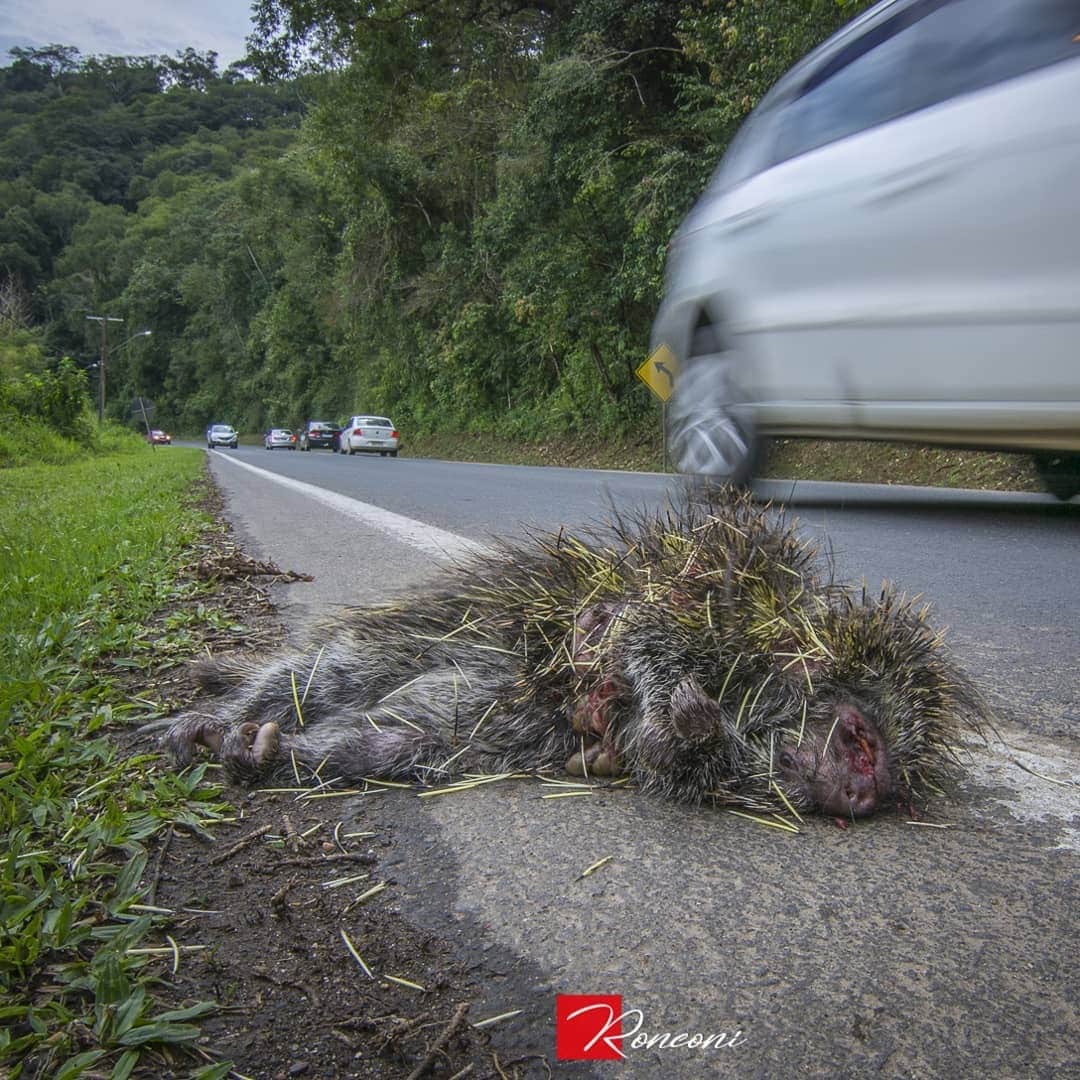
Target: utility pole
[103,321]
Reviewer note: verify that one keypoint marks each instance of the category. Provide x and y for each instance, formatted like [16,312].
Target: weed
[89,553]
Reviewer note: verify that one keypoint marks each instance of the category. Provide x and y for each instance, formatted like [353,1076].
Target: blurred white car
[279,437]
[889,247]
[368,435]
[221,435]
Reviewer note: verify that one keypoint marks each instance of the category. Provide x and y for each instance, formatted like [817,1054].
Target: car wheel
[1060,474]
[382,453]
[710,429]
[351,451]
[393,453]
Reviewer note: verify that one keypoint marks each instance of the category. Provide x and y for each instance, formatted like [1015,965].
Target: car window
[749,151]
[967,45]
[864,85]
[929,52]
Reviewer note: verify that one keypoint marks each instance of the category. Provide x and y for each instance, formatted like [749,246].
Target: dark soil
[263,906]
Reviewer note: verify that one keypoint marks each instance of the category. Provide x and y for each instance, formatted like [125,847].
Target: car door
[994,316]
[813,261]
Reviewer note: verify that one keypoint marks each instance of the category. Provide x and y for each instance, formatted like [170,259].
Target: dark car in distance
[319,434]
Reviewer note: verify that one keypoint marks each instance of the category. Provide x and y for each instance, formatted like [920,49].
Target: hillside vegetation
[456,214]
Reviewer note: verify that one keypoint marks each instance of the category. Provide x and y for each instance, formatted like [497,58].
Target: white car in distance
[367,434]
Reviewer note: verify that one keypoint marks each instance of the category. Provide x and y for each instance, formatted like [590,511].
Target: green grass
[29,441]
[88,552]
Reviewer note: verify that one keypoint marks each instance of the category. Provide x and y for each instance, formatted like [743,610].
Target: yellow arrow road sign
[658,372]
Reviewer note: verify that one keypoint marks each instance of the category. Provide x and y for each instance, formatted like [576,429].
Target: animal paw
[248,749]
[183,739]
[594,760]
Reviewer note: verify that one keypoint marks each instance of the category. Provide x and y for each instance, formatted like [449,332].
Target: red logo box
[588,1027]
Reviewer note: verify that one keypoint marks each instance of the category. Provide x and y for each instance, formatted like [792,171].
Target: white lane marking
[429,539]
[1035,779]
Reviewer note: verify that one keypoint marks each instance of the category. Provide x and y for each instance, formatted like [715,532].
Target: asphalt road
[942,949]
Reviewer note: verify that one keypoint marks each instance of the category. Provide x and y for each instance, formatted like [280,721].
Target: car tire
[350,451]
[1060,474]
[710,430]
[383,453]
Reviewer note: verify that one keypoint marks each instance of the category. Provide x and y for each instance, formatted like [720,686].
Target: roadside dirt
[803,459]
[284,917]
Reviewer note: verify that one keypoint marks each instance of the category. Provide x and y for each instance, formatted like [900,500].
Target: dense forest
[455,213]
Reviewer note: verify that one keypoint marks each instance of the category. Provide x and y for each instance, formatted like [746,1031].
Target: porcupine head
[746,680]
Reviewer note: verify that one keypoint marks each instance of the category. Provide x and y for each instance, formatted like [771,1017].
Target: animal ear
[694,714]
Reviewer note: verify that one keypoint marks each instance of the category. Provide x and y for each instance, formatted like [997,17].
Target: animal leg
[194,731]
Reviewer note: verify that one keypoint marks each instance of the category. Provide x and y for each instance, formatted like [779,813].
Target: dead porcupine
[706,652]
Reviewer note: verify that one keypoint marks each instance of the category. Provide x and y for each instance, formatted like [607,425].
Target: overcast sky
[127,27]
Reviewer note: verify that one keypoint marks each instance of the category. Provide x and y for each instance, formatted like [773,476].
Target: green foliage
[744,47]
[466,230]
[45,412]
[21,354]
[42,411]
[89,551]
[26,442]
[57,397]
